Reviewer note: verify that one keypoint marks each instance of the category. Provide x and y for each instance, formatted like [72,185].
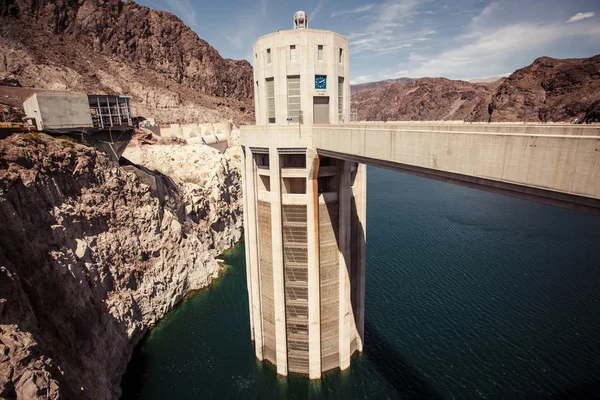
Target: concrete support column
[360,196]
[247,241]
[314,298]
[252,229]
[278,274]
[346,321]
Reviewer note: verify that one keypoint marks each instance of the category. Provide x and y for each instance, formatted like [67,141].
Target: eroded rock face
[118,47]
[549,90]
[9,80]
[427,99]
[91,257]
[209,180]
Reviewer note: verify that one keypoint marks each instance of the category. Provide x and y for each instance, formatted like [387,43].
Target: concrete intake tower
[304,214]
[305,190]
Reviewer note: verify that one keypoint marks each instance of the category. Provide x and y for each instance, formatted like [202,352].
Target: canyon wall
[92,256]
[118,47]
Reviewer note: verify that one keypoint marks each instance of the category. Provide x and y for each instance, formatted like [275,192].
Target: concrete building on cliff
[304,214]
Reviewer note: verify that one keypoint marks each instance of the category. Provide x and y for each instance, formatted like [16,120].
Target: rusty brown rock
[549,90]
[427,99]
[119,47]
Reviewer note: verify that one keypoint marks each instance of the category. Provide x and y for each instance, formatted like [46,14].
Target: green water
[469,295]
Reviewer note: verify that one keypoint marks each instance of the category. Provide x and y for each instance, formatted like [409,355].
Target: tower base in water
[305,219]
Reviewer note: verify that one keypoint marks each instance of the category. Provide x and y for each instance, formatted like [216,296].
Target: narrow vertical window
[320,52]
[341,56]
[293,52]
[341,99]
[271,100]
[293,88]
[268,56]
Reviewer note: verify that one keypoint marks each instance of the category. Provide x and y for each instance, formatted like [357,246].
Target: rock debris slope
[91,257]
[427,99]
[550,90]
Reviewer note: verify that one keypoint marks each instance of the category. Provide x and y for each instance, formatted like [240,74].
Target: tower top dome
[300,20]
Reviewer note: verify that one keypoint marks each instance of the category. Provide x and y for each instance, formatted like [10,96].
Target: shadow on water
[393,367]
[132,382]
[586,391]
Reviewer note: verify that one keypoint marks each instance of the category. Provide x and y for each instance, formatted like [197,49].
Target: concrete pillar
[360,196]
[278,273]
[346,316]
[314,298]
[252,228]
[247,241]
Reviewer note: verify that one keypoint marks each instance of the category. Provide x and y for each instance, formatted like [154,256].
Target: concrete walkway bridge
[552,164]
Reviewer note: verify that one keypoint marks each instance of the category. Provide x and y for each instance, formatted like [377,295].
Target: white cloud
[247,28]
[388,28]
[394,11]
[491,48]
[357,10]
[416,57]
[397,74]
[486,13]
[313,13]
[580,16]
[354,35]
[361,79]
[186,11]
[381,43]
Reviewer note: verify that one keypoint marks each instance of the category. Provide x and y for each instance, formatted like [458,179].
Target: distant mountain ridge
[425,99]
[551,90]
[371,85]
[493,81]
[121,47]
[548,90]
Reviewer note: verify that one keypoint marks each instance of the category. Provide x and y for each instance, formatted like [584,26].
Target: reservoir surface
[469,295]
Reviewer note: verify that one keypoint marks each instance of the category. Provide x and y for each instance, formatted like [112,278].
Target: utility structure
[305,190]
[109,110]
[304,214]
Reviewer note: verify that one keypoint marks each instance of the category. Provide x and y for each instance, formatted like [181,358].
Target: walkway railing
[347,116]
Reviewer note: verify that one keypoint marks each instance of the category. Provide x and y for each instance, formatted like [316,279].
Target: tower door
[321,110]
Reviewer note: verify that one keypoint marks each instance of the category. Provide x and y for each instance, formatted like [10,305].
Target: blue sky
[461,39]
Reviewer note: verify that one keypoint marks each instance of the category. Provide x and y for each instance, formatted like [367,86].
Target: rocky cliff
[549,90]
[91,256]
[427,99]
[120,47]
